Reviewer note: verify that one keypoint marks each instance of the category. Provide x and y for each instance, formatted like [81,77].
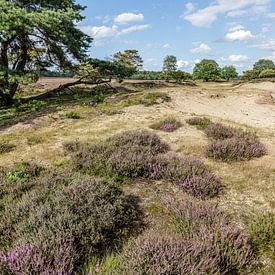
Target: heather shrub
[168,124]
[202,222]
[93,215]
[167,256]
[6,147]
[236,149]
[206,186]
[220,131]
[261,231]
[199,122]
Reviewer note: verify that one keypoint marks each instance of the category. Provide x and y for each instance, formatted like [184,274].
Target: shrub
[168,124]
[262,232]
[23,171]
[236,149]
[6,147]
[199,122]
[153,98]
[140,154]
[220,131]
[206,186]
[208,244]
[267,74]
[72,115]
[92,214]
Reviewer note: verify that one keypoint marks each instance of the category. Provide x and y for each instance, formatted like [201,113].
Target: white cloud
[238,58]
[265,45]
[236,28]
[125,18]
[183,63]
[189,7]
[239,35]
[206,16]
[100,32]
[202,48]
[134,29]
[266,28]
[167,46]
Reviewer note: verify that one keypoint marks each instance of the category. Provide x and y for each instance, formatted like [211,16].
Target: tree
[229,72]
[267,74]
[180,76]
[249,75]
[169,66]
[263,64]
[126,64]
[35,35]
[207,70]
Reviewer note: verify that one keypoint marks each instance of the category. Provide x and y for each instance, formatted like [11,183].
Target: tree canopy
[35,35]
[229,72]
[207,70]
[263,64]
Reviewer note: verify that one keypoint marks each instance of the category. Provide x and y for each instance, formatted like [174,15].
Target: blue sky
[237,32]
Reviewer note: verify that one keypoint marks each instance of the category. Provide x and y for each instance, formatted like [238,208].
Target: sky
[233,32]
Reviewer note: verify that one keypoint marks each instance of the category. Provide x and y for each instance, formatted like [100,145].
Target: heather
[206,242]
[61,220]
[169,124]
[219,131]
[236,149]
[141,154]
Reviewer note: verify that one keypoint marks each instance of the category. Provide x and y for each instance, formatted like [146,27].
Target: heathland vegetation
[104,174]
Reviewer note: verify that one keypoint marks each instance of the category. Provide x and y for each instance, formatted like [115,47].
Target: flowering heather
[205,186]
[199,122]
[66,216]
[236,149]
[39,259]
[169,124]
[220,131]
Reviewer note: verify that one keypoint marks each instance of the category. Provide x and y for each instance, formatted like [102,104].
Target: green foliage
[147,75]
[267,73]
[199,122]
[72,115]
[6,147]
[262,65]
[23,171]
[169,66]
[178,76]
[31,40]
[262,232]
[207,70]
[249,75]
[229,72]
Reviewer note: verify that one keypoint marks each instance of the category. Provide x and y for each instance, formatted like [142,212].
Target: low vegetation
[6,147]
[227,143]
[56,222]
[169,124]
[206,242]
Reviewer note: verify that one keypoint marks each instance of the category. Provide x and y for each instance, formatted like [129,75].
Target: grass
[6,147]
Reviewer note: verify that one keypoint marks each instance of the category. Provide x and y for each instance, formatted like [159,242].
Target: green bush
[267,74]
[199,122]
[72,115]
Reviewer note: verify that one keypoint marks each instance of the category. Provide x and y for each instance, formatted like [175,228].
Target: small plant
[262,232]
[236,149]
[72,115]
[220,131]
[199,122]
[6,147]
[23,172]
[153,98]
[168,124]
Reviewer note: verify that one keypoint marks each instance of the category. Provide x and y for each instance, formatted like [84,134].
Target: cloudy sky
[236,32]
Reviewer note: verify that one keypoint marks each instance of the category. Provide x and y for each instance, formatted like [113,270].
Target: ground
[250,185]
